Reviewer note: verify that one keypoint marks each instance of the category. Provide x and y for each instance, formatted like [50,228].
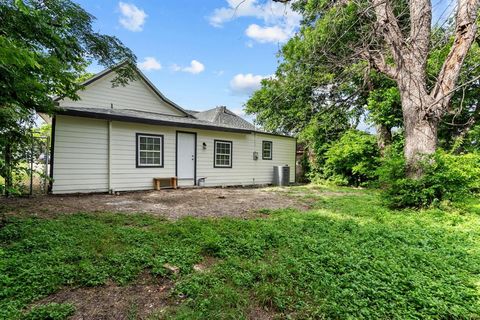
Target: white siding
[136,95]
[245,170]
[81,156]
[125,174]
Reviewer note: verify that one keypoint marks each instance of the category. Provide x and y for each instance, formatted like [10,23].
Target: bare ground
[113,302]
[171,204]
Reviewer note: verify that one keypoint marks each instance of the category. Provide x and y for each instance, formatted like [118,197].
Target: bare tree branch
[377,59]
[465,31]
[420,28]
[389,29]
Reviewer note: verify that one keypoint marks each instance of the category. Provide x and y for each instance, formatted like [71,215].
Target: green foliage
[384,106]
[51,311]
[348,257]
[447,177]
[45,47]
[323,81]
[353,159]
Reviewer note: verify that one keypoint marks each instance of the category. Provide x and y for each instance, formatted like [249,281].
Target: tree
[45,47]
[394,38]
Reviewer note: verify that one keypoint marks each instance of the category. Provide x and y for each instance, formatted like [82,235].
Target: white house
[120,138]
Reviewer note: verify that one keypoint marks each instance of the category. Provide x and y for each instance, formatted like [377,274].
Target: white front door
[186,155]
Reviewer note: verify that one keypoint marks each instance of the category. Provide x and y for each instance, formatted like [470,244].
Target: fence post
[8,168]
[31,163]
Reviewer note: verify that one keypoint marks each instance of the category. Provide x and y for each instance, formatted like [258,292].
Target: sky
[205,53]
[200,54]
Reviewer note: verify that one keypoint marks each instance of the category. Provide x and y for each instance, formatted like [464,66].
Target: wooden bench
[171,180]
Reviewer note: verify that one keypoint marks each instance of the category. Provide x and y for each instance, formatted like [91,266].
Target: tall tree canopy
[45,47]
[340,45]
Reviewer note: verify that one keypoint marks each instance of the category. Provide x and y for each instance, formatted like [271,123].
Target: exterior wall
[81,156]
[80,161]
[245,170]
[125,175]
[136,95]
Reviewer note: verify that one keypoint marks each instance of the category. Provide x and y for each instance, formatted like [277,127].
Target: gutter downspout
[110,189]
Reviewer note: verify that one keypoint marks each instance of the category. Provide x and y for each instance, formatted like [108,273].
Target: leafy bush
[353,159]
[447,177]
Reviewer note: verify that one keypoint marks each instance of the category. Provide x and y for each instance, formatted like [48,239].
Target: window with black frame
[223,154]
[149,150]
[267,150]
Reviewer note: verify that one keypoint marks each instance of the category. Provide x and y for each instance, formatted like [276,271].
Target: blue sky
[200,54]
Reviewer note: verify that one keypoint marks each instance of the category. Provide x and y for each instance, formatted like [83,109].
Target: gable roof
[136,116]
[222,116]
[142,77]
[219,118]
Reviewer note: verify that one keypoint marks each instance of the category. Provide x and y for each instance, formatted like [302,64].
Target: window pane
[223,152]
[267,150]
[150,150]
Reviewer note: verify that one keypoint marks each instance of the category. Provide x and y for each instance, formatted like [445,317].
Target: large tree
[45,47]
[395,38]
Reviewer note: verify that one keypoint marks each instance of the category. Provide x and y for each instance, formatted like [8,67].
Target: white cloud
[219,73]
[132,17]
[278,19]
[149,63]
[266,34]
[245,84]
[195,67]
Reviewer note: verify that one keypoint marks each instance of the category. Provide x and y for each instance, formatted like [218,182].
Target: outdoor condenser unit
[281,175]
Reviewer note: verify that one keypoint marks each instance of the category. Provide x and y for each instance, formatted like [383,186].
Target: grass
[347,258]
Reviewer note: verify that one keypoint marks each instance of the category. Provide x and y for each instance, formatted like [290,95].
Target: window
[267,150]
[149,150]
[223,154]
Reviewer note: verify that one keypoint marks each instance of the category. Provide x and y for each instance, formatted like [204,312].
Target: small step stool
[171,180]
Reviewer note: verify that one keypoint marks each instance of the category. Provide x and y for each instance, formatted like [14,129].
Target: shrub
[353,159]
[447,177]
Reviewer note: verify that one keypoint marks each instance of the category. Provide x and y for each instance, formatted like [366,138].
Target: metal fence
[31,174]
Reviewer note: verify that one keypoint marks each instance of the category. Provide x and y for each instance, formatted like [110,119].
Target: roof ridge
[218,110]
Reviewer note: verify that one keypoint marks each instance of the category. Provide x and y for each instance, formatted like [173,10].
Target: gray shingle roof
[147,117]
[219,118]
[223,116]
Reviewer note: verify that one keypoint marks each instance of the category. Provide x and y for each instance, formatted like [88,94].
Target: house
[120,138]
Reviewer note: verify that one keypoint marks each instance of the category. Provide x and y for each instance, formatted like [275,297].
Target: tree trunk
[384,137]
[420,129]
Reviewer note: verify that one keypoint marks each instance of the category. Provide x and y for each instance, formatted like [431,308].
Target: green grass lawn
[348,257]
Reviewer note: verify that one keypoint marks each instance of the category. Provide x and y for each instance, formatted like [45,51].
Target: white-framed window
[222,154]
[149,150]
[267,150]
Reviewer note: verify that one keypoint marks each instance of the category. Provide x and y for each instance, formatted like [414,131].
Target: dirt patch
[205,265]
[136,301]
[172,204]
[258,313]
